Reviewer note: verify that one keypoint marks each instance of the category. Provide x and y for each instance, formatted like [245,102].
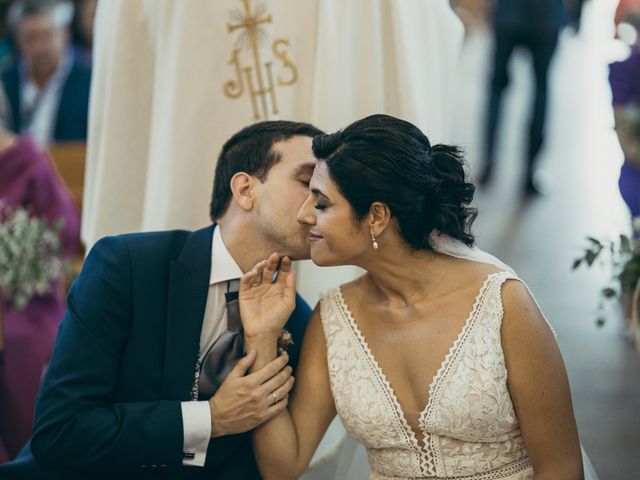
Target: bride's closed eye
[320,206]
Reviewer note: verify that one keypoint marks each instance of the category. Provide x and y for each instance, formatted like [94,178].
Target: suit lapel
[187,299]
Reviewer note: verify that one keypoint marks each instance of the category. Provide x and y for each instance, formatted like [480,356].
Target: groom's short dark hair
[250,151]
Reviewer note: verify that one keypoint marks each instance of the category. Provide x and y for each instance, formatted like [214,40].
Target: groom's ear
[242,189]
[379,217]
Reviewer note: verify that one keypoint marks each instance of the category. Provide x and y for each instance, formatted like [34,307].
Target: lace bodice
[469,425]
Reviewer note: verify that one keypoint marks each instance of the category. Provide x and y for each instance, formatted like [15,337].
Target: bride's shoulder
[475,272]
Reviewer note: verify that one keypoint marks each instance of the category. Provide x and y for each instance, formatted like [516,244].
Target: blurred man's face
[41,45]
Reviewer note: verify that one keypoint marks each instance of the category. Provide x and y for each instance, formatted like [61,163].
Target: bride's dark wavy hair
[385,159]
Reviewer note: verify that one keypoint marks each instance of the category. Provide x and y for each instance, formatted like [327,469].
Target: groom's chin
[299,254]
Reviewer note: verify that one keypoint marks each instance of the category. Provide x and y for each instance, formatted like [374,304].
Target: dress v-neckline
[432,387]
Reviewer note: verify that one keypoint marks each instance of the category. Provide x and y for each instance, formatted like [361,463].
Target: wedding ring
[275,398]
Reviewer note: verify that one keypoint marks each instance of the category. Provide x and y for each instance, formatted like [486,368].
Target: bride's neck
[401,277]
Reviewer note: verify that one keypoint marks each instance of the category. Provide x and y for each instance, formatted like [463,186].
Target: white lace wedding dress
[469,425]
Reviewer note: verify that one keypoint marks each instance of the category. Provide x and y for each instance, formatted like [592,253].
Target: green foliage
[622,257]
[30,258]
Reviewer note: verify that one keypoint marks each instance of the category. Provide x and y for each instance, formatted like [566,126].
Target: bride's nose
[306,213]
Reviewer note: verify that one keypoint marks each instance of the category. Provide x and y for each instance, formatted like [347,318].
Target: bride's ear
[378,218]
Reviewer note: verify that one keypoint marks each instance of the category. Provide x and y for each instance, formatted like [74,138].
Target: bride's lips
[314,237]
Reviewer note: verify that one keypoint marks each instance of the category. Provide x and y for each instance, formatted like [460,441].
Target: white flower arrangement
[30,255]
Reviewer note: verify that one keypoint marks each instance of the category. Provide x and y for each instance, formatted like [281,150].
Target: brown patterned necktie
[225,352]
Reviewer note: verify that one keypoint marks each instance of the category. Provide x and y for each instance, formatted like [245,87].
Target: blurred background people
[82,29]
[533,25]
[29,179]
[46,87]
[574,13]
[625,8]
[7,44]
[624,77]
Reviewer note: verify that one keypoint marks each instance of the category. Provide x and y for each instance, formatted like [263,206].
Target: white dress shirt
[196,415]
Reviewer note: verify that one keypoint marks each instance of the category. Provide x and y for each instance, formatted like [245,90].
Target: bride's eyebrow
[318,192]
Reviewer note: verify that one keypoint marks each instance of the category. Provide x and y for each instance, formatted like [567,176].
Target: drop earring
[373,240]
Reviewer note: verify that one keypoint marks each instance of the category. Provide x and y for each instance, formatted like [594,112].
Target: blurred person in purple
[29,179]
[533,25]
[47,88]
[624,78]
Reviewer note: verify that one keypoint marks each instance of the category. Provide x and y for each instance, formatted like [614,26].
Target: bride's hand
[265,306]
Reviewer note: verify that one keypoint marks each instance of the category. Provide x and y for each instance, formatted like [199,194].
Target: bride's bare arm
[539,388]
[284,445]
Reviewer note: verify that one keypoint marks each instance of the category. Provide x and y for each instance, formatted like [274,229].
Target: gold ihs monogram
[258,79]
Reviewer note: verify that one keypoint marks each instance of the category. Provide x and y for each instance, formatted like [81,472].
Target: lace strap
[326,317]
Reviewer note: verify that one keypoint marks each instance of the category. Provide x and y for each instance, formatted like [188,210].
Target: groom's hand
[245,401]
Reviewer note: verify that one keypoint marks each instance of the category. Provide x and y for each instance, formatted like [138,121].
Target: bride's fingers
[247,279]
[285,264]
[270,269]
[290,284]
[260,268]
[285,269]
[253,276]
[264,272]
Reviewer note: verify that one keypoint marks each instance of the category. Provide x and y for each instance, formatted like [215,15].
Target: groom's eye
[305,183]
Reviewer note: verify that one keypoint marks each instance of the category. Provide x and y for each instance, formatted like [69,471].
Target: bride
[437,359]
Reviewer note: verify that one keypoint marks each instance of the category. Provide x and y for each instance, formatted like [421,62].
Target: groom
[139,383]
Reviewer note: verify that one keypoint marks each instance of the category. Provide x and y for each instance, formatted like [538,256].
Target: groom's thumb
[240,370]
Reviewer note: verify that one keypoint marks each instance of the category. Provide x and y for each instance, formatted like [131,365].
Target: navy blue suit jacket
[123,361]
[73,108]
[528,15]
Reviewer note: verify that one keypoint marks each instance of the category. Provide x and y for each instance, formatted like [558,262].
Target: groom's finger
[269,370]
[275,382]
[243,365]
[276,408]
[281,392]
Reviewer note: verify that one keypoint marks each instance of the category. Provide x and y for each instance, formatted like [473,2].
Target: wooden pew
[69,159]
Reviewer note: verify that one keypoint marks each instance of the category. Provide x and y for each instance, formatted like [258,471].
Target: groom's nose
[306,213]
